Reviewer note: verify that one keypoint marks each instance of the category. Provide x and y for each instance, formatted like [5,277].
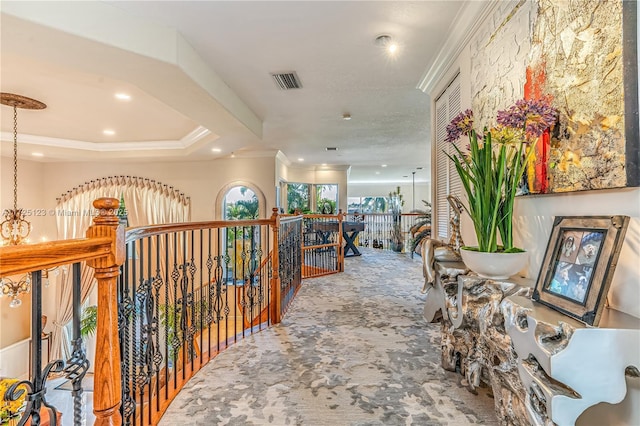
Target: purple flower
[462,124]
[533,115]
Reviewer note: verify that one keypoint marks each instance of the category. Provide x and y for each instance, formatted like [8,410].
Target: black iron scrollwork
[35,395]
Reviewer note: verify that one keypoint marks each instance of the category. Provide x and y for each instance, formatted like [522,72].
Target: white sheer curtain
[147,203]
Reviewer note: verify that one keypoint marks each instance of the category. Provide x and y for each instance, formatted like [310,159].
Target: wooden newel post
[107,395]
[276,301]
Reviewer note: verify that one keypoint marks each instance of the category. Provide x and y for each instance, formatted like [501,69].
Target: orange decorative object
[537,169]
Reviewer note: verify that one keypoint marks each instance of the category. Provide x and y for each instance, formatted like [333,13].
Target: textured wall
[500,53]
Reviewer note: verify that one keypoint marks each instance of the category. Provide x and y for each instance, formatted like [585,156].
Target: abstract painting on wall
[584,54]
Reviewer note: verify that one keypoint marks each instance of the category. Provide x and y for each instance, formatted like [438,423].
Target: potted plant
[396,238]
[491,172]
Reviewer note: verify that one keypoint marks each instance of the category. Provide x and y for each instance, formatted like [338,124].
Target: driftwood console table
[543,367]
[474,340]
[567,366]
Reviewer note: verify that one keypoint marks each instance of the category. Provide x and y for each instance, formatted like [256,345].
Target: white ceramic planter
[497,266]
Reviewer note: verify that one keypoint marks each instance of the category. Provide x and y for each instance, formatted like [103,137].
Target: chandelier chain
[15,158]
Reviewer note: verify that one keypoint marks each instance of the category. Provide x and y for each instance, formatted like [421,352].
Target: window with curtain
[447,181]
[147,202]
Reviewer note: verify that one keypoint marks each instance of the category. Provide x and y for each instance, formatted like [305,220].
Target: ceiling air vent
[331,148]
[287,80]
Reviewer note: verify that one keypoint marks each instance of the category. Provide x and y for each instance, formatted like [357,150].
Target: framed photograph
[578,264]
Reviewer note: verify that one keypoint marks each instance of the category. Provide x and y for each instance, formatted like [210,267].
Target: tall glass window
[298,197]
[327,198]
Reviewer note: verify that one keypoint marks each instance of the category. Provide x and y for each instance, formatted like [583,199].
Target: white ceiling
[198,73]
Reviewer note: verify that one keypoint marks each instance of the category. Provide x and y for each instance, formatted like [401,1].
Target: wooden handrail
[21,259]
[151,230]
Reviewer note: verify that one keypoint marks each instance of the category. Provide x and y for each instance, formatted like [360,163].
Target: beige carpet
[352,350]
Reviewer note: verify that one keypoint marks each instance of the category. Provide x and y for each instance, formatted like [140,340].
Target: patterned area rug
[352,350]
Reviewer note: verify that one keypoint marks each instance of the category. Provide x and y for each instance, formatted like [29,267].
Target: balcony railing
[384,230]
[170,297]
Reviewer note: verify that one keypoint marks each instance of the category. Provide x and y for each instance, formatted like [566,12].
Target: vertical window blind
[448,105]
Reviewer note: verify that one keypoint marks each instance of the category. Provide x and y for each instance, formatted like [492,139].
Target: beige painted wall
[201,180]
[330,175]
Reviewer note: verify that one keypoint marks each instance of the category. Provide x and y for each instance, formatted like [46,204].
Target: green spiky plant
[89,321]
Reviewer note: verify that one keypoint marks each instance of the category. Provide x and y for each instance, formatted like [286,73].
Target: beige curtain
[147,202]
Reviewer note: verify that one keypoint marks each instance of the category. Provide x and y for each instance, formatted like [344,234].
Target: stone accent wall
[500,53]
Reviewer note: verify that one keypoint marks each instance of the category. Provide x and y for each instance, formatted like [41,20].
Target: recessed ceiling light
[37,154]
[123,96]
[384,165]
[324,164]
[233,155]
[301,159]
[216,150]
[109,132]
[386,42]
[377,173]
[346,116]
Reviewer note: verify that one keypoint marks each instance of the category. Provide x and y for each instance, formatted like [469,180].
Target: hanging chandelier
[14,289]
[15,227]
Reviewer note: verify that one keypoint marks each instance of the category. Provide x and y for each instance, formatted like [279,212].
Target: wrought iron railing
[170,298]
[289,259]
[188,291]
[322,245]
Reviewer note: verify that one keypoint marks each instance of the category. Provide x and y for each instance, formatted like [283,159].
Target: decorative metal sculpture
[455,242]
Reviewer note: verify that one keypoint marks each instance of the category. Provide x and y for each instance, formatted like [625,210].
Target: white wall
[534,219]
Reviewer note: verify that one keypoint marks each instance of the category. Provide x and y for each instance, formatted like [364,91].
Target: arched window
[240,202]
[242,242]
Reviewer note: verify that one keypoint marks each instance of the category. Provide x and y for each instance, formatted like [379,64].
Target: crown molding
[190,139]
[466,24]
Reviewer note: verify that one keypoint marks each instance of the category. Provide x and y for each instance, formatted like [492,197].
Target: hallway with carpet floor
[353,349]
